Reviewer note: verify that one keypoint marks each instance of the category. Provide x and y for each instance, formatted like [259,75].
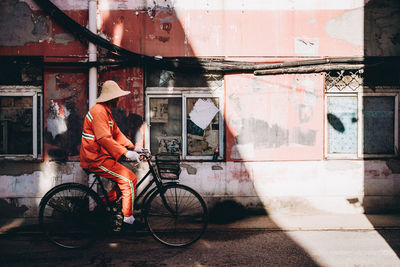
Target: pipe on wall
[92,54]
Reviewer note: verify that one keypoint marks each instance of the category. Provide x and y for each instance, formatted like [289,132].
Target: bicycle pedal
[117,229]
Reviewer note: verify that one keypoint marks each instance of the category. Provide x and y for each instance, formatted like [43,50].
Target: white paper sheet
[203,112]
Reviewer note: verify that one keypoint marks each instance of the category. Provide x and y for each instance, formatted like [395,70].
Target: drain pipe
[92,54]
[93,70]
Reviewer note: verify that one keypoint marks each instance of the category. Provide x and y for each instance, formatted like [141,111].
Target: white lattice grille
[341,80]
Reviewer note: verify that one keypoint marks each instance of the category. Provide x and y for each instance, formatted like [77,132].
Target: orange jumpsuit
[102,145]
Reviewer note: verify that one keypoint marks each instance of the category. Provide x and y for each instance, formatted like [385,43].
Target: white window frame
[37,109]
[184,93]
[360,125]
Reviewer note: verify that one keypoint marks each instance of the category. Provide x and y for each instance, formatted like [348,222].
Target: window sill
[29,158]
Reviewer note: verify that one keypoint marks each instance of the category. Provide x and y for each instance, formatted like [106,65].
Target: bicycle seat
[89,173]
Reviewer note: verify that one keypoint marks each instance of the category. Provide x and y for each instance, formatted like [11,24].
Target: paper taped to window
[203,113]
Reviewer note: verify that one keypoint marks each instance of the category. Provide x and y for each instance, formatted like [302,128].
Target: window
[360,122]
[185,121]
[21,122]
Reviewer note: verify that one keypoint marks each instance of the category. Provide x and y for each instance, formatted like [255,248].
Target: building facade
[303,109]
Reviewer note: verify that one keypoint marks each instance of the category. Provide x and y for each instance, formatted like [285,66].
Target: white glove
[132,155]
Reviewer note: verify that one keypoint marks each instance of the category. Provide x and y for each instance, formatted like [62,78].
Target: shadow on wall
[11,209]
[226,210]
[382,39]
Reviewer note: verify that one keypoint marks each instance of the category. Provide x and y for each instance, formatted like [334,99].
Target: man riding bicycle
[103,144]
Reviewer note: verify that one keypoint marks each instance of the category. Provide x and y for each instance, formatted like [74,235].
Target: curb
[342,222]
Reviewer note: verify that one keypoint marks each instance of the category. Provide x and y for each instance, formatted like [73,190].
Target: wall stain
[67,105]
[13,168]
[19,25]
[216,168]
[63,38]
[190,169]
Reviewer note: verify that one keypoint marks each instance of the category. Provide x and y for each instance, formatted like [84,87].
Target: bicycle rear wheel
[72,215]
[177,217]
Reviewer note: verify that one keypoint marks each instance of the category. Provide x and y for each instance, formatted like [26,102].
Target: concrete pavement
[314,222]
[263,222]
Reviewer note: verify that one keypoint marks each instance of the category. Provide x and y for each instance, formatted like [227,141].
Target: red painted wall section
[228,32]
[40,36]
[274,117]
[65,105]
[129,115]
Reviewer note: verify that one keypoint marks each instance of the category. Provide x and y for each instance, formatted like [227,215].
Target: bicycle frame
[158,199]
[145,193]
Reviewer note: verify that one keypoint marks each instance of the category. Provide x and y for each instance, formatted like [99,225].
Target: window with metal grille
[360,122]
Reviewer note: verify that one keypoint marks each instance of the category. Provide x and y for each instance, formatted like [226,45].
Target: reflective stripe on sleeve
[89,116]
[87,136]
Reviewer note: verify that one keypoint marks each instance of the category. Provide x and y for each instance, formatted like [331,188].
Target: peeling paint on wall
[306,46]
[381,28]
[19,25]
[56,121]
[348,27]
[66,106]
[190,169]
[63,38]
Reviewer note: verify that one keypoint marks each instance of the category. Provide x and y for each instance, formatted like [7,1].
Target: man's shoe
[129,220]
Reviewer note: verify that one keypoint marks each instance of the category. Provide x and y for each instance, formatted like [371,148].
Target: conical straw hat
[110,90]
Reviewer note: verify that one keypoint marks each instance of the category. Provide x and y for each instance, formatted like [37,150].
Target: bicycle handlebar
[146,154]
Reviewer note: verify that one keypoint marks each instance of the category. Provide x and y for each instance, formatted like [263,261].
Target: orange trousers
[125,179]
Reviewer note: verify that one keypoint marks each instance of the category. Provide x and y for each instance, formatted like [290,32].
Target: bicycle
[73,215]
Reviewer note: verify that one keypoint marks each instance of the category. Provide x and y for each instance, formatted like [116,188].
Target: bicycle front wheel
[72,215]
[176,217]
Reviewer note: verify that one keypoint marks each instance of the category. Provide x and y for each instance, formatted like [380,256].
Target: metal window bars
[344,80]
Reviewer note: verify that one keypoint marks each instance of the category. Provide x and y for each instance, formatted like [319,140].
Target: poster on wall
[170,144]
[159,110]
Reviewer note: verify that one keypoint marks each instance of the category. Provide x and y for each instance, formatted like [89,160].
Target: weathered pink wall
[277,117]
[227,33]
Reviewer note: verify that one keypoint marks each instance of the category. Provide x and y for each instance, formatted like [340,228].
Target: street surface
[216,248]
